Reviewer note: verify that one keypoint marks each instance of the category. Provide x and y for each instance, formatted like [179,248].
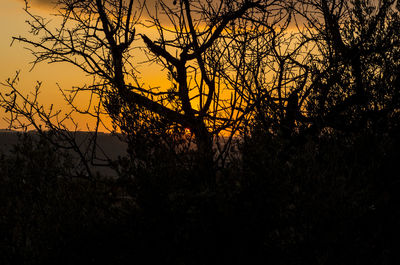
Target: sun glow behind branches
[54,76]
[66,76]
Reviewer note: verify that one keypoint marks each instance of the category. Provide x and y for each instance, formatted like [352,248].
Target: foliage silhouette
[310,179]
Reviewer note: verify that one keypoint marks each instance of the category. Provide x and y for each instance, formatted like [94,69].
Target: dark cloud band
[51,3]
[39,3]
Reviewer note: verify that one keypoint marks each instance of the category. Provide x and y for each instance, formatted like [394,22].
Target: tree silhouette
[341,62]
[310,86]
[193,45]
[353,83]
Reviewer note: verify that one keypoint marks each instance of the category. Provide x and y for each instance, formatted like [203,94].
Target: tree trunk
[205,156]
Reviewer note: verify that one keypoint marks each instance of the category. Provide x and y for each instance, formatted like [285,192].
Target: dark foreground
[331,200]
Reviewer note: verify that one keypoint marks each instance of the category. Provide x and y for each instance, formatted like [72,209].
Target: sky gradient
[16,57]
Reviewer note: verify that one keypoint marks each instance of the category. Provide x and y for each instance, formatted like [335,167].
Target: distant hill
[110,144]
[107,145]
[8,139]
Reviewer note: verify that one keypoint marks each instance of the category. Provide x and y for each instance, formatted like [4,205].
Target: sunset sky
[16,58]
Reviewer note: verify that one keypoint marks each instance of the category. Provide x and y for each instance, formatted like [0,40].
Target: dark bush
[323,200]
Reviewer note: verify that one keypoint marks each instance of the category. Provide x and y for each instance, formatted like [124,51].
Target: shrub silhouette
[315,177]
[331,200]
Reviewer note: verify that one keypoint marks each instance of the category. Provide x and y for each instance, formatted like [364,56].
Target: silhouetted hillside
[326,200]
[108,147]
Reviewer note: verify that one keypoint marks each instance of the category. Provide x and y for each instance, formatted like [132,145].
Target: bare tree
[355,66]
[268,65]
[194,46]
[333,66]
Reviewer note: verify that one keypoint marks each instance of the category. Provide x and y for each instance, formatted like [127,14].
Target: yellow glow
[61,74]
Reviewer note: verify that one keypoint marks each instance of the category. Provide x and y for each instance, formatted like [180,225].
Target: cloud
[44,2]
[47,6]
[40,3]
[50,4]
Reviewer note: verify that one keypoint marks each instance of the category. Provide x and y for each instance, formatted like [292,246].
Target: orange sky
[16,58]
